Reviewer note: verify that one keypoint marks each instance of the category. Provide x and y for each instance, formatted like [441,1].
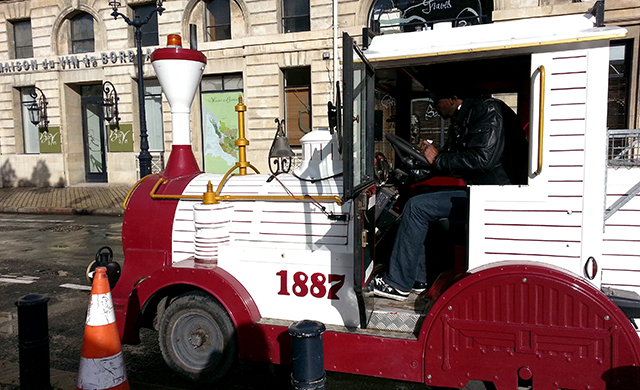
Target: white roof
[531,32]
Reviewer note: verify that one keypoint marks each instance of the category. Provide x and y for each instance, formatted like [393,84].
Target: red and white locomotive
[221,265]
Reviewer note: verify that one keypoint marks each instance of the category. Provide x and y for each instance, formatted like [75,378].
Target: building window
[218,20]
[30,133]
[297,103]
[624,143]
[219,97]
[150,30]
[22,38]
[295,16]
[82,36]
[153,110]
[620,54]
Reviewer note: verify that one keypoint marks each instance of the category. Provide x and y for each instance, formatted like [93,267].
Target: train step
[392,315]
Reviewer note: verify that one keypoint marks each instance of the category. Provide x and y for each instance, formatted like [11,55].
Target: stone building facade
[281,56]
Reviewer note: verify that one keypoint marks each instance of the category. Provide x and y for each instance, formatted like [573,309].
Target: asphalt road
[49,254]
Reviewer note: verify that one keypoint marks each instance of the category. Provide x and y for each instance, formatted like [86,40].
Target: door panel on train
[358,159]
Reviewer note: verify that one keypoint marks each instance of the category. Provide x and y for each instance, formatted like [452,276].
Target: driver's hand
[428,151]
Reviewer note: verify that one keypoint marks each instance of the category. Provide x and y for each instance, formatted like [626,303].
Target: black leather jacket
[475,144]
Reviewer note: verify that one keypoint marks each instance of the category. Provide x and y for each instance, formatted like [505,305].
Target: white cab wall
[557,218]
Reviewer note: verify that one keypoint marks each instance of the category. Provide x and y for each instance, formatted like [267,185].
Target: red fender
[533,322]
[146,242]
[222,286]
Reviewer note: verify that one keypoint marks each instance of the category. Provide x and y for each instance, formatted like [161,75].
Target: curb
[70,211]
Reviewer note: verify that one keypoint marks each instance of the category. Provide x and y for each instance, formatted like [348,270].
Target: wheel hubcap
[199,338]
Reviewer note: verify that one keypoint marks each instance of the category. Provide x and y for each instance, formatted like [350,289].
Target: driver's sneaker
[383,289]
[419,287]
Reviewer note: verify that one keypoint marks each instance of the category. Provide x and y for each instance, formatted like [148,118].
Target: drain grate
[63,228]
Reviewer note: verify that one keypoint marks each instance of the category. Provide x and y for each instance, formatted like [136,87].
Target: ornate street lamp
[110,103]
[38,109]
[137,23]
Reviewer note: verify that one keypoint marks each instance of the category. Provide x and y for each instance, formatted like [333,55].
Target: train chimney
[179,72]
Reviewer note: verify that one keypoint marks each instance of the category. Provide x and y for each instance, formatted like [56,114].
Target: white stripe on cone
[100,310]
[104,373]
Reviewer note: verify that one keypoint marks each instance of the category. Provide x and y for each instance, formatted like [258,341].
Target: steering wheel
[407,153]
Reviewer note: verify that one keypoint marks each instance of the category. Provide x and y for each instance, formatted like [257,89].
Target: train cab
[557,88]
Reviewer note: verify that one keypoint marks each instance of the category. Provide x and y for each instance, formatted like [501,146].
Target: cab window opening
[412,116]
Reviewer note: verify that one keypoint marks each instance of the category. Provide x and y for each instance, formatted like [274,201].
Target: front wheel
[197,338]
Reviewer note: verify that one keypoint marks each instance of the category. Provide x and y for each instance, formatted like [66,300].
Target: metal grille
[624,148]
[157,162]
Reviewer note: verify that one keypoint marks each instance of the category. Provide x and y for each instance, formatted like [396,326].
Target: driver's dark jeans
[407,264]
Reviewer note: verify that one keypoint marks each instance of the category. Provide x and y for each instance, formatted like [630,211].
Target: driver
[473,151]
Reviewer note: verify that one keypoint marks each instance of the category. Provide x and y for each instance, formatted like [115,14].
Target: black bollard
[33,342]
[307,355]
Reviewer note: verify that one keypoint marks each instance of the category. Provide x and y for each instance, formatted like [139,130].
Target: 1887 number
[314,285]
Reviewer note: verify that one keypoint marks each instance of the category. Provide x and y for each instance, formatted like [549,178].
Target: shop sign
[121,138]
[393,16]
[50,140]
[73,62]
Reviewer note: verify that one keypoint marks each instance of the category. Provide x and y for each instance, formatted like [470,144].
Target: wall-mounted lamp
[110,103]
[38,109]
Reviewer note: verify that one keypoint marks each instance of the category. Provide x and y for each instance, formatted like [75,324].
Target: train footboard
[526,324]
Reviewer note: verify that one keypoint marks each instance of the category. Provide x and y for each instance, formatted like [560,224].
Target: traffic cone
[101,363]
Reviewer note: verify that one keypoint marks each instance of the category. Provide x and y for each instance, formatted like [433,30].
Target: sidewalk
[86,200]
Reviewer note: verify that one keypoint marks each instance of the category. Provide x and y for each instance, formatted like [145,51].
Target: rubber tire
[198,312]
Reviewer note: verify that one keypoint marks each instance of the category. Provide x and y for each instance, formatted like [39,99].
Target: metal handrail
[211,197]
[541,119]
[624,147]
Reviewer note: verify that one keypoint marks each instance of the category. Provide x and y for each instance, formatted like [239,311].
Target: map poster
[219,130]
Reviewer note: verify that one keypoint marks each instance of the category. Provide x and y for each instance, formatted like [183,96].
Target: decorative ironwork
[280,154]
[38,109]
[110,103]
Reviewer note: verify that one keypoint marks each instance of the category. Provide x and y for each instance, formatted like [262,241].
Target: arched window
[82,35]
[218,20]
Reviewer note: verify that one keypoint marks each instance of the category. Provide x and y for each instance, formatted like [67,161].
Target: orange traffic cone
[101,363]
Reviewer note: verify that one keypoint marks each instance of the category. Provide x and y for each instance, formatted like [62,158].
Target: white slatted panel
[291,223]
[541,221]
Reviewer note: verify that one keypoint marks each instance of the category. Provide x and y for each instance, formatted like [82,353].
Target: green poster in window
[50,140]
[219,130]
[121,140]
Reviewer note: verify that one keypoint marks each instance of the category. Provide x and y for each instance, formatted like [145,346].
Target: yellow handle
[126,199]
[540,119]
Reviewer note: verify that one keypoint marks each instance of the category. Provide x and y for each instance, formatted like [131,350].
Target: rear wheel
[197,338]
